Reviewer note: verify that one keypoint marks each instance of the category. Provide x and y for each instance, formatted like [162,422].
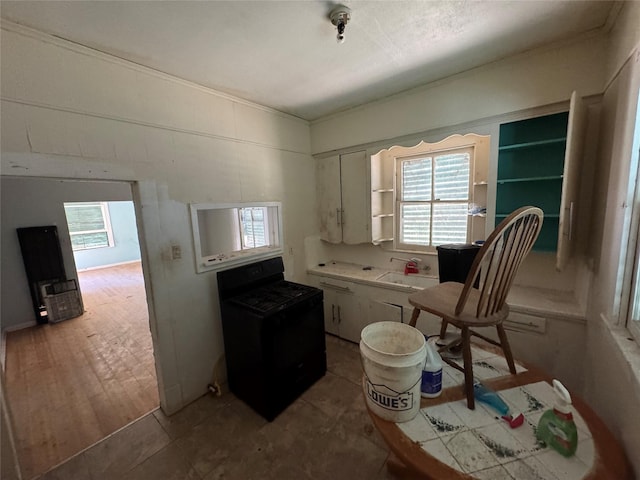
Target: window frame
[629,267]
[430,151]
[631,284]
[106,219]
[231,251]
[633,324]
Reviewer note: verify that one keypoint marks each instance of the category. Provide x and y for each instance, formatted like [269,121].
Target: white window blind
[433,199]
[253,223]
[89,225]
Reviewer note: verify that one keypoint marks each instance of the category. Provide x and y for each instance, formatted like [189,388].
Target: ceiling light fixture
[340,16]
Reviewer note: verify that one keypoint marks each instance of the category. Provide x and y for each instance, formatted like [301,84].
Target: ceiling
[284,54]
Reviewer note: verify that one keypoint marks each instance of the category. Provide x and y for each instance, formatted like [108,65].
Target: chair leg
[468,367]
[506,348]
[443,328]
[414,317]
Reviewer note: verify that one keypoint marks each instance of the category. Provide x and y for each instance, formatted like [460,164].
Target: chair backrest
[499,259]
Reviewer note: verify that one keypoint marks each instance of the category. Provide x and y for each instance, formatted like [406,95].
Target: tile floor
[325,434]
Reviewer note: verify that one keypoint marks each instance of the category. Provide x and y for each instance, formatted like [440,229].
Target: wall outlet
[176,252]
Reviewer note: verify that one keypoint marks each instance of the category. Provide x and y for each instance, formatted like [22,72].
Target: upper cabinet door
[571,178]
[329,199]
[355,216]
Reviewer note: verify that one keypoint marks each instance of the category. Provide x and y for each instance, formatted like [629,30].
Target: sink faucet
[410,265]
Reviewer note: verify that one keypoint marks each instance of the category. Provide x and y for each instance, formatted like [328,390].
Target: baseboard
[107,266]
[20,326]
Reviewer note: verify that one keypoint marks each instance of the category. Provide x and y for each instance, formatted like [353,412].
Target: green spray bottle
[556,427]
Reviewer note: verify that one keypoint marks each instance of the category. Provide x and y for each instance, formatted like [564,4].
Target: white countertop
[528,300]
[363,274]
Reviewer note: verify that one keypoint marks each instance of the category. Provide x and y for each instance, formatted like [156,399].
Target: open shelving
[382,198]
[531,157]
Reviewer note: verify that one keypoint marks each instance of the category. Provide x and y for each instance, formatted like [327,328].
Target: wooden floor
[72,383]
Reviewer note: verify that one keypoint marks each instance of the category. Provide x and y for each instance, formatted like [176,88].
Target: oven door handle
[336,287]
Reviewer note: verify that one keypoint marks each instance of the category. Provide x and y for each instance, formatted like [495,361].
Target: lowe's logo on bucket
[388,398]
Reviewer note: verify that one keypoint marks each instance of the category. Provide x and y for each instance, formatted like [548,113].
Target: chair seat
[441,300]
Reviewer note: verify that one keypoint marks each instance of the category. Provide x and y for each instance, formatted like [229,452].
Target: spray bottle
[556,427]
[484,394]
[431,385]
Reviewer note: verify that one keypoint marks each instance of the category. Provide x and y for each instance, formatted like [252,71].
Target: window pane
[253,227]
[83,218]
[414,224]
[416,179]
[452,177]
[89,240]
[449,223]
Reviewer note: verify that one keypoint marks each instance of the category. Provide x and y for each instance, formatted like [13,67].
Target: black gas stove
[273,335]
[274,296]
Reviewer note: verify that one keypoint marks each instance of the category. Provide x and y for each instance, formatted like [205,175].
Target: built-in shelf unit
[383,200]
[531,155]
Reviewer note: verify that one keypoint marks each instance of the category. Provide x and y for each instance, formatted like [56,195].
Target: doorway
[72,383]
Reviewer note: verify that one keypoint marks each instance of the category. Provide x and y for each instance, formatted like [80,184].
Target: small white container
[431,385]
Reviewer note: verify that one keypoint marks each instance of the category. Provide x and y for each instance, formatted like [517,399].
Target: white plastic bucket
[393,355]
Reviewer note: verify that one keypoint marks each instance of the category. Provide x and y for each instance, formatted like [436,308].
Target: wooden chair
[465,307]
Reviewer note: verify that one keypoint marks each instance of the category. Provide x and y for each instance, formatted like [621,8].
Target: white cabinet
[343,198]
[342,312]
[381,311]
[573,161]
[350,306]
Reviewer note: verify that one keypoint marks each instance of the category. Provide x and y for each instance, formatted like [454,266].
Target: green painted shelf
[530,171]
[530,179]
[538,143]
[546,215]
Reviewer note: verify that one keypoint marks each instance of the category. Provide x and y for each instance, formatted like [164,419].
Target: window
[633,322]
[631,282]
[255,231]
[432,202]
[233,234]
[633,314]
[89,225]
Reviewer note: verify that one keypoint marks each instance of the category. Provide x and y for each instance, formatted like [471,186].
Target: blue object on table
[489,397]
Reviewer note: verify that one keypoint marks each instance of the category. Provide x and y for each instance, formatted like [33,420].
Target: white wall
[70,112]
[612,385]
[540,77]
[477,101]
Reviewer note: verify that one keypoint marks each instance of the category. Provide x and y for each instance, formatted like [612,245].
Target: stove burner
[272,296]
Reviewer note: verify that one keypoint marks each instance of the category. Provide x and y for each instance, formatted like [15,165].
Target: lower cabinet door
[384,312]
[331,311]
[351,318]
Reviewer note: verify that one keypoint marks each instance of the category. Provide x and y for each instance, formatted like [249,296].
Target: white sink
[411,280]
